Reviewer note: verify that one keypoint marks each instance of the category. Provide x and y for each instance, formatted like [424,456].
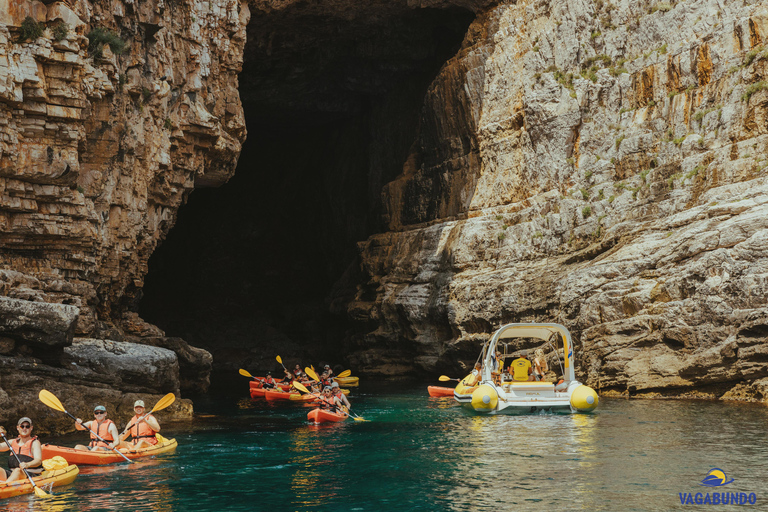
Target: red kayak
[271,394]
[325,416]
[439,391]
[257,392]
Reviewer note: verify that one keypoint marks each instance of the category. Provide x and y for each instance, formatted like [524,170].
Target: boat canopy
[542,332]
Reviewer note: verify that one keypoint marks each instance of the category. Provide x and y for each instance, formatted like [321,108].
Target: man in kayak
[336,390]
[329,401]
[27,448]
[101,426]
[141,429]
[269,382]
[327,369]
[299,373]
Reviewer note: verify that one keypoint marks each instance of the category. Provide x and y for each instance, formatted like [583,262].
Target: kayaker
[288,378]
[269,382]
[141,429]
[27,448]
[336,390]
[299,373]
[102,426]
[325,379]
[329,401]
[328,370]
[521,368]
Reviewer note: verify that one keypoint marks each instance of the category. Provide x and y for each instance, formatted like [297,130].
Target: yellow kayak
[53,478]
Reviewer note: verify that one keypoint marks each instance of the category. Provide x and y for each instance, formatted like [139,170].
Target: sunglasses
[25,425]
[99,413]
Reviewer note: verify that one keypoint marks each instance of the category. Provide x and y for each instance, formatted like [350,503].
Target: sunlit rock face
[603,165]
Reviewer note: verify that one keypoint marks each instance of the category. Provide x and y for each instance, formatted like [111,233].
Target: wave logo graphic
[716,478]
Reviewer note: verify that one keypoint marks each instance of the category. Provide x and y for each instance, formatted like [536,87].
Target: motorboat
[495,390]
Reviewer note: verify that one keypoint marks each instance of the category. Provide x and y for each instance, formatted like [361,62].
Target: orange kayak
[271,394]
[324,416]
[106,457]
[55,478]
[258,392]
[439,391]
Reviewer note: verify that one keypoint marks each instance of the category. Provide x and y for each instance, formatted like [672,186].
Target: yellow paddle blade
[358,418]
[300,387]
[40,493]
[444,378]
[279,360]
[311,373]
[50,400]
[245,373]
[345,373]
[164,402]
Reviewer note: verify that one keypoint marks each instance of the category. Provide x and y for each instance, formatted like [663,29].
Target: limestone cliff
[599,164]
[111,113]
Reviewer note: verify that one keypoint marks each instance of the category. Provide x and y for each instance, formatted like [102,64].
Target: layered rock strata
[599,164]
[111,113]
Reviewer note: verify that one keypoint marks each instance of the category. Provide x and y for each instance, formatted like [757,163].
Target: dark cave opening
[264,264]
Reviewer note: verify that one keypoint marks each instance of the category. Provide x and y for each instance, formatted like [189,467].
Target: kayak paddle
[345,373]
[51,401]
[311,373]
[38,491]
[444,378]
[280,360]
[160,405]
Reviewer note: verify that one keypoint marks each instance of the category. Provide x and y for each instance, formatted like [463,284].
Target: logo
[716,478]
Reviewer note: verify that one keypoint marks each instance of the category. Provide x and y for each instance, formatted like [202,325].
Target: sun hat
[138,403]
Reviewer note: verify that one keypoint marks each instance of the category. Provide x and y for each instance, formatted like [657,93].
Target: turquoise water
[421,453]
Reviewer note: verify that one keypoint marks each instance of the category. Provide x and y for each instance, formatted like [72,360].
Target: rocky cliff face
[111,113]
[599,164]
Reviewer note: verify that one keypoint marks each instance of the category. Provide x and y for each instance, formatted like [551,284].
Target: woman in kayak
[288,378]
[28,450]
[101,426]
[141,429]
[329,401]
[269,382]
[299,373]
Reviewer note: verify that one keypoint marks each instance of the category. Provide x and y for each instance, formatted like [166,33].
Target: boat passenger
[27,448]
[101,426]
[540,366]
[476,376]
[336,389]
[521,368]
[288,378]
[141,429]
[327,369]
[269,382]
[299,373]
[326,379]
[497,365]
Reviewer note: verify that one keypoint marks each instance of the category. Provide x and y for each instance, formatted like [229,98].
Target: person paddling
[141,429]
[28,450]
[327,369]
[299,373]
[336,390]
[269,382]
[100,426]
[329,401]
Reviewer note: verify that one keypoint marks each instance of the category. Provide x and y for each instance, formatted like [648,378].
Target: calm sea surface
[421,453]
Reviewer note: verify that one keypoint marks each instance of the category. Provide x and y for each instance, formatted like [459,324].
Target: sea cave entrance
[266,263]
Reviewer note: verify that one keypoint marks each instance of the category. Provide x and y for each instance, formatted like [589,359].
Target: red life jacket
[104,435]
[25,455]
[142,431]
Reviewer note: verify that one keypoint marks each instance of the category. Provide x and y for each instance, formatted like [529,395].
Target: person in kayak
[329,401]
[336,390]
[327,369]
[299,373]
[101,426]
[288,378]
[269,382]
[141,429]
[27,448]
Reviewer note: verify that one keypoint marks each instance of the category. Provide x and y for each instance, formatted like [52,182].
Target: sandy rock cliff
[599,164]
[111,113]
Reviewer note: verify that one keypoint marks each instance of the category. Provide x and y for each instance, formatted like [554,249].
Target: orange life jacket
[104,435]
[24,451]
[141,431]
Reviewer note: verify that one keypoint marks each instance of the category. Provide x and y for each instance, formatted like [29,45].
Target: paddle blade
[358,418]
[244,373]
[300,387]
[311,373]
[444,378]
[40,493]
[164,402]
[345,373]
[50,400]
[279,360]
